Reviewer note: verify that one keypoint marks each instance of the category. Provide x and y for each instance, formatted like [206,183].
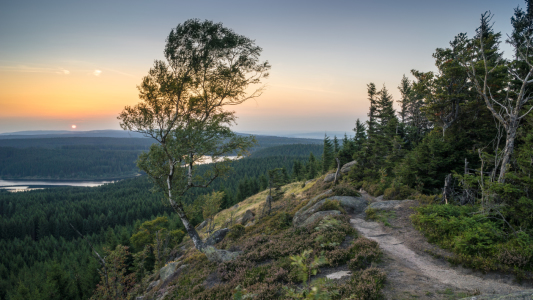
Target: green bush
[398,193]
[478,240]
[330,204]
[283,220]
[236,231]
[344,190]
[374,189]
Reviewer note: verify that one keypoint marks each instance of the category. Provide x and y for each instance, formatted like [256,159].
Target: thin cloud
[97,72]
[119,72]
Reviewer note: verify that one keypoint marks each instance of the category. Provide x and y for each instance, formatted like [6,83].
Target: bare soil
[417,269]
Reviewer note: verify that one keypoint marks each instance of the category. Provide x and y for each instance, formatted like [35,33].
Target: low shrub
[236,231]
[330,204]
[380,215]
[345,190]
[283,220]
[366,284]
[364,251]
[480,241]
[398,192]
[374,189]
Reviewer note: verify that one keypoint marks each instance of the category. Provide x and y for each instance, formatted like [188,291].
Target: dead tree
[513,101]
[447,191]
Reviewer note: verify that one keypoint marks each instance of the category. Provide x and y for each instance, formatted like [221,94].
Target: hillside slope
[341,254]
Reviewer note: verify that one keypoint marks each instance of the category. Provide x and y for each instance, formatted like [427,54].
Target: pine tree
[327,155]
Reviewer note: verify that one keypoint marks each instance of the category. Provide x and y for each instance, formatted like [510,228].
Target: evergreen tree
[311,167]
[327,155]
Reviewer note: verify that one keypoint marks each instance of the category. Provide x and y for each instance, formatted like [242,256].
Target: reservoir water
[28,185]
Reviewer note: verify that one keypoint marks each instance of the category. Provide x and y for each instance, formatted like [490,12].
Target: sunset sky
[79,62]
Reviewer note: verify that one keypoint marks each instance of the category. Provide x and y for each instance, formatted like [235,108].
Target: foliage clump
[330,204]
[345,190]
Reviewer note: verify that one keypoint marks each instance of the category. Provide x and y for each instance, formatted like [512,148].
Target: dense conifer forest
[44,254]
[77,158]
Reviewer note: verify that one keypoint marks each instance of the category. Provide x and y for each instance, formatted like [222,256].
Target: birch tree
[504,85]
[183,107]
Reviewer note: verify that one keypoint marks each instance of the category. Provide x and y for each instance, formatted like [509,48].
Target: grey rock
[310,208]
[236,206]
[319,215]
[385,205]
[347,167]
[330,177]
[522,295]
[379,198]
[201,226]
[247,217]
[338,275]
[168,270]
[139,298]
[152,285]
[351,204]
[220,256]
[216,237]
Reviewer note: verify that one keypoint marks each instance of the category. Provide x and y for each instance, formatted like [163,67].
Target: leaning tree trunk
[193,234]
[178,207]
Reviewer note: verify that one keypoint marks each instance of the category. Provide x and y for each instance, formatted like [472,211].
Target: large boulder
[330,177]
[351,204]
[247,217]
[347,167]
[219,255]
[319,215]
[310,208]
[216,237]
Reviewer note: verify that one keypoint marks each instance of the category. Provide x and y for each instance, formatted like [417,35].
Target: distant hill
[129,134]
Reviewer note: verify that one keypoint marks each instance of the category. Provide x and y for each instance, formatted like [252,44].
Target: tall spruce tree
[328,155]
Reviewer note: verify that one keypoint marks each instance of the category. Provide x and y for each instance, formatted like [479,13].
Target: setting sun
[73,126]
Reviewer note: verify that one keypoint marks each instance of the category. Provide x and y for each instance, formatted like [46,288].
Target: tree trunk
[508,150]
[198,243]
[338,170]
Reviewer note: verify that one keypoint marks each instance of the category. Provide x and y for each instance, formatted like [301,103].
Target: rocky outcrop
[319,215]
[330,177]
[219,255]
[523,295]
[305,212]
[247,217]
[216,237]
[152,285]
[351,204]
[347,167]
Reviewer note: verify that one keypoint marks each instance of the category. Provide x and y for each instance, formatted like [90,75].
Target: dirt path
[414,274]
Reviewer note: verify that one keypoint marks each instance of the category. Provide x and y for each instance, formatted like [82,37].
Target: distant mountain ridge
[130,134]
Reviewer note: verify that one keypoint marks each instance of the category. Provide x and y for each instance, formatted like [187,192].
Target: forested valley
[92,158]
[43,254]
